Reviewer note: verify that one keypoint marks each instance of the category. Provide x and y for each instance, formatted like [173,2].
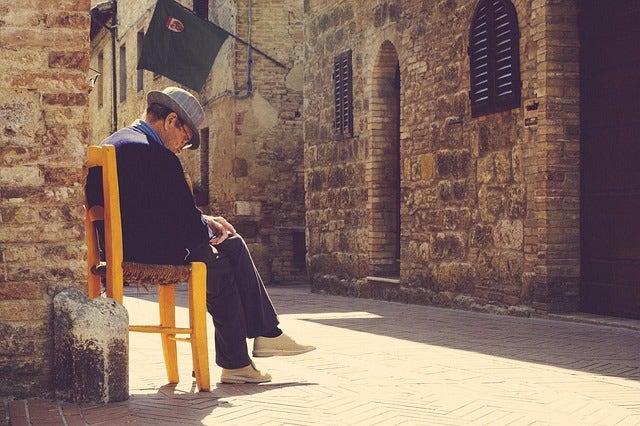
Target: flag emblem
[174,25]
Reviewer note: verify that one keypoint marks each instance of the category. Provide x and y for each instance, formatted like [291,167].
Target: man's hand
[220,227]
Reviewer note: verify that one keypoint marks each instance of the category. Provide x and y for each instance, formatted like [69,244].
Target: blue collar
[145,128]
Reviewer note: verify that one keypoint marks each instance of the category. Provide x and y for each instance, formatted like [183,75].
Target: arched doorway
[610,147]
[383,165]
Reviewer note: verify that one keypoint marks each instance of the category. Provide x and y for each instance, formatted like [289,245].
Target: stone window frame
[343,89]
[494,58]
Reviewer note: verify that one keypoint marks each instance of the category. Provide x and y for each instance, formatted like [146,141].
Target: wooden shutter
[343,78]
[507,56]
[479,60]
[494,58]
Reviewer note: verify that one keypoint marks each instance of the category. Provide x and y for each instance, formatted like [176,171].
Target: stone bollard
[91,348]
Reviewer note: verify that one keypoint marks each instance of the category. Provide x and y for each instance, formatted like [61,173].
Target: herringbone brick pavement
[383,363]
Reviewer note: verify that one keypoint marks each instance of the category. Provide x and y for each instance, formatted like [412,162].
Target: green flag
[180,45]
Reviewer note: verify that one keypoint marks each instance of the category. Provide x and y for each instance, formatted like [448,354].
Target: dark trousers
[236,299]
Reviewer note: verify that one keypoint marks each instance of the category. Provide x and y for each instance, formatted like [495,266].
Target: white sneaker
[282,345]
[248,374]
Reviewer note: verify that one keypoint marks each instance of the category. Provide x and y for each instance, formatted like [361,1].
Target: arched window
[494,56]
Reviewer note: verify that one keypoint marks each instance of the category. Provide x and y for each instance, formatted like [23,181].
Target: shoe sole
[242,380]
[275,352]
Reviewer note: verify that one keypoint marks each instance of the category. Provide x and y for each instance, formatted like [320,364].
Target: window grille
[343,78]
[100,80]
[123,73]
[494,57]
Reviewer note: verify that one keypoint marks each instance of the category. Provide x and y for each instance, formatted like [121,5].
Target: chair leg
[198,324]
[167,304]
[95,286]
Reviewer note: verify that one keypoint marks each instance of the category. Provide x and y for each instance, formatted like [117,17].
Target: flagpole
[275,61]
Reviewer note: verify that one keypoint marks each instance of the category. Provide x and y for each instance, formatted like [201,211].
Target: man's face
[177,134]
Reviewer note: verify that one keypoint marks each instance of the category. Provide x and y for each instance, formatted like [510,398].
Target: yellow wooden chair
[117,272]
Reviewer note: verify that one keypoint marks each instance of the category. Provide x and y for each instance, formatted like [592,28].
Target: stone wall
[335,170]
[44,130]
[489,205]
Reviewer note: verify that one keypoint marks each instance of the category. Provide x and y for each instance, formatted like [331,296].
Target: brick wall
[489,207]
[557,158]
[44,130]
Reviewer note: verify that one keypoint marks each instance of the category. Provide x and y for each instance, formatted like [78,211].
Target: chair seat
[148,272]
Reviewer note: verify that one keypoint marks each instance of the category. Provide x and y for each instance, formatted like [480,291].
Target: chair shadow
[170,405]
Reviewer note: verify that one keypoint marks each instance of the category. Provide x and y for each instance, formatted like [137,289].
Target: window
[343,78]
[494,57]
[123,73]
[201,8]
[100,80]
[140,76]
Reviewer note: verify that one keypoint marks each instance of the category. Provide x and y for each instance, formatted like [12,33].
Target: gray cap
[185,105]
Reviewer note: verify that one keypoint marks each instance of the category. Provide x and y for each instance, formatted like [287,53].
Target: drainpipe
[112,30]
[249,60]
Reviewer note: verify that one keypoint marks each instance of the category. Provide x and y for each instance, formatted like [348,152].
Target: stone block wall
[489,205]
[335,168]
[43,133]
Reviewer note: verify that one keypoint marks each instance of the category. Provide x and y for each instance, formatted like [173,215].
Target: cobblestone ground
[382,363]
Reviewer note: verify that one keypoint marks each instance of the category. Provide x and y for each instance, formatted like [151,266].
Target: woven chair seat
[147,273]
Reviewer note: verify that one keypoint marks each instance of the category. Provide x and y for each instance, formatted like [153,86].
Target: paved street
[382,363]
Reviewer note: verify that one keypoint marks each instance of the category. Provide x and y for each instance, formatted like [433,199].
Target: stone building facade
[424,201]
[249,167]
[44,58]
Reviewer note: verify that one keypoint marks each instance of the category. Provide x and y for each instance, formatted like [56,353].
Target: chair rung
[180,339]
[160,329]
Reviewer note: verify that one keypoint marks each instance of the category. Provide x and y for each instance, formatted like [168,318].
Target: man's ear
[170,120]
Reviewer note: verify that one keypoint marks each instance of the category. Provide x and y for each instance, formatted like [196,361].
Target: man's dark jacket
[160,220]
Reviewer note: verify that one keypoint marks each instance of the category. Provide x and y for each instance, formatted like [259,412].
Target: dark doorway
[610,153]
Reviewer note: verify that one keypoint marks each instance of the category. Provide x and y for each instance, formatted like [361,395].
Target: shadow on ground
[596,349]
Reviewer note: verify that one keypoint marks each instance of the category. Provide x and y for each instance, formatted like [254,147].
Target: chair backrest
[105,157]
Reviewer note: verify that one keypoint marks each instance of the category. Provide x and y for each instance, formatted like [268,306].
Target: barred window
[494,56]
[123,73]
[140,75]
[343,79]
